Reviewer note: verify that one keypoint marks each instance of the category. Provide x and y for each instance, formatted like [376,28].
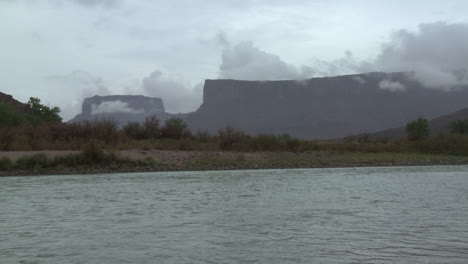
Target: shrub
[148,161]
[5,164]
[202,136]
[228,137]
[134,130]
[93,153]
[38,161]
[417,129]
[7,136]
[459,127]
[175,128]
[105,130]
[9,116]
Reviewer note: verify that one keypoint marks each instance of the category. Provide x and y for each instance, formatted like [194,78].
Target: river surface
[357,215]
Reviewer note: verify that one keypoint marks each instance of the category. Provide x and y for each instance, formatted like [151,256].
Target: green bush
[417,129]
[5,164]
[38,161]
[93,152]
[9,116]
[175,128]
[459,127]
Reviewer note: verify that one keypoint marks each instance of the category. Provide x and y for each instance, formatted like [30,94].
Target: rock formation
[121,109]
[318,108]
[322,108]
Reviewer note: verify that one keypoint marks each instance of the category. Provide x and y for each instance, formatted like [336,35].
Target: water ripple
[359,215]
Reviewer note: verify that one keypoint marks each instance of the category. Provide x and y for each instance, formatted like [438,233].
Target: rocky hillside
[20,107]
[322,108]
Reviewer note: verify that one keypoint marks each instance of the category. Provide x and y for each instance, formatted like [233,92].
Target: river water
[357,215]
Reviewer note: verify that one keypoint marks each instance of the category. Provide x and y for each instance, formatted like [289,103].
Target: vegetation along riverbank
[34,140]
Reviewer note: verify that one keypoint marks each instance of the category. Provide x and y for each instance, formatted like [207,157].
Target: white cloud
[110,107]
[392,86]
[437,54]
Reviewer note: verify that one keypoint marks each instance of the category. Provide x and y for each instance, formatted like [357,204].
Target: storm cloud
[436,54]
[247,62]
[167,48]
[177,96]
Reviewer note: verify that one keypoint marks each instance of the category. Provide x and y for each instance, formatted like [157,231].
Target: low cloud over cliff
[114,107]
[178,97]
[436,55]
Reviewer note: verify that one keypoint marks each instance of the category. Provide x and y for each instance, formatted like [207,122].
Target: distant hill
[437,125]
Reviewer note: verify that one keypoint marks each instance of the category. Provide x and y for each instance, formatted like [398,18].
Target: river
[348,215]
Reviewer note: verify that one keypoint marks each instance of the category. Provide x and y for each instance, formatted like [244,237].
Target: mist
[114,107]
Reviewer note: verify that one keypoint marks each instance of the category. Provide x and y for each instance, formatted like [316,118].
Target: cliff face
[322,108]
[121,109]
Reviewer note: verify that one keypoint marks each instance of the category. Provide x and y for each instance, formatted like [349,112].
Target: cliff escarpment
[322,108]
[121,109]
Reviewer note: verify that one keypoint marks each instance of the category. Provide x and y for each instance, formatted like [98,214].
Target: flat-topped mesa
[322,108]
[121,109]
[122,103]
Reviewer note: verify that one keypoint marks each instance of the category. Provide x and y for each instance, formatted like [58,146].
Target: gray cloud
[178,97]
[76,86]
[247,62]
[103,3]
[84,82]
[437,54]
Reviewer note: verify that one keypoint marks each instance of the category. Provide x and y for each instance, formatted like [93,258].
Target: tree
[459,127]
[417,129]
[42,113]
[175,127]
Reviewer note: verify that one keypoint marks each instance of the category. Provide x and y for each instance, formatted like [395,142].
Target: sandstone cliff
[322,108]
[121,109]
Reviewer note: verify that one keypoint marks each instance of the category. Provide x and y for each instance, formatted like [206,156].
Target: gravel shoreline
[169,160]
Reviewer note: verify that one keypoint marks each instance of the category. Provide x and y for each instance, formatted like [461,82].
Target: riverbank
[169,160]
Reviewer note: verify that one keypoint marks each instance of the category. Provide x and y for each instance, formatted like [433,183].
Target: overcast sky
[64,50]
